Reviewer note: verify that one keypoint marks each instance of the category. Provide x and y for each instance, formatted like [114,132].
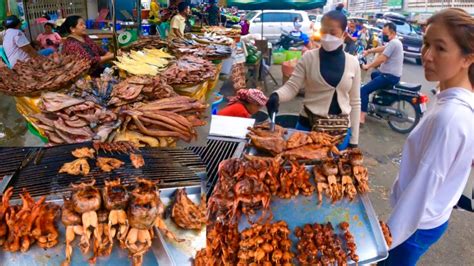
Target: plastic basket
[279,58]
[292,55]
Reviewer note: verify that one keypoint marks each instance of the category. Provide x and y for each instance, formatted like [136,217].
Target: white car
[276,21]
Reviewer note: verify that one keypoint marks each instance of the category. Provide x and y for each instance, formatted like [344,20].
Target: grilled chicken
[115,195]
[185,213]
[76,167]
[83,153]
[108,164]
[137,160]
[297,140]
[85,197]
[274,145]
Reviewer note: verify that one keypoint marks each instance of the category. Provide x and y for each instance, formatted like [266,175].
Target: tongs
[272,122]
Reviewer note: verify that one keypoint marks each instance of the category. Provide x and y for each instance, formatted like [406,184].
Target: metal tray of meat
[182,253]
[162,251]
[364,225]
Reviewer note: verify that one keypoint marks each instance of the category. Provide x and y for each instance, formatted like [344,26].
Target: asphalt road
[382,148]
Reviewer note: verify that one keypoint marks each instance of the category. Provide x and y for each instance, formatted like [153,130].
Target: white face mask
[330,42]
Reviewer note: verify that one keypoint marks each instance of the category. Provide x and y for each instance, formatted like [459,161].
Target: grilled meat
[185,213]
[83,153]
[297,140]
[145,205]
[263,130]
[76,167]
[274,145]
[68,215]
[137,160]
[108,164]
[309,152]
[53,101]
[115,195]
[85,197]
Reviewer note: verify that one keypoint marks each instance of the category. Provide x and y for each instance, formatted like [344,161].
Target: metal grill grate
[216,150]
[10,159]
[172,167]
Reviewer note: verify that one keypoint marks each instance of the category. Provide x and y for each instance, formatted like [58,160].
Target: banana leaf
[272,4]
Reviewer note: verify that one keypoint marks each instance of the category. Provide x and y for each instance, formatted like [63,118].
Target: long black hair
[70,22]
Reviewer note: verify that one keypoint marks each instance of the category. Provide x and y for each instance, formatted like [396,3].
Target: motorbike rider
[391,66]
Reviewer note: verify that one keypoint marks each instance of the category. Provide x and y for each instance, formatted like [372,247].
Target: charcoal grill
[10,159]
[217,150]
[172,167]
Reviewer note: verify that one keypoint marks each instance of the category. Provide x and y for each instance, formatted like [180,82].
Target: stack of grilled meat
[41,74]
[188,71]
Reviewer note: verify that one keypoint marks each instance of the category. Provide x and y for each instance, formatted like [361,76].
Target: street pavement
[382,148]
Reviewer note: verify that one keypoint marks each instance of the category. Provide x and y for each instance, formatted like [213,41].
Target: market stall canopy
[271,4]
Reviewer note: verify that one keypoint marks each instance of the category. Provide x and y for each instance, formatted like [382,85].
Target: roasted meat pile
[266,244]
[237,193]
[22,225]
[189,71]
[65,119]
[341,178]
[99,217]
[174,117]
[41,74]
[148,42]
[238,76]
[186,214]
[386,233]
[136,89]
[222,246]
[319,245]
[299,146]
[184,47]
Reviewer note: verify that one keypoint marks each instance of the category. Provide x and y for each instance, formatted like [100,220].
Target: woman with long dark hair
[438,154]
[78,43]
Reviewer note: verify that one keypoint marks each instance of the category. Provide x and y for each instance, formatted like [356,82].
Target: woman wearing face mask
[331,79]
[437,156]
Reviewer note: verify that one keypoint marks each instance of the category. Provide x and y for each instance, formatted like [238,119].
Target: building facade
[413,7]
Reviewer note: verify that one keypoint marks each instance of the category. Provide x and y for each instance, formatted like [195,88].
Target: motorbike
[287,41]
[401,105]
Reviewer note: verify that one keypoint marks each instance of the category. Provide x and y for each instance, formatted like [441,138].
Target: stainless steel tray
[163,252]
[182,253]
[359,213]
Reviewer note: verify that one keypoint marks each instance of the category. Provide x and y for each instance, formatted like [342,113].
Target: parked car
[411,40]
[276,21]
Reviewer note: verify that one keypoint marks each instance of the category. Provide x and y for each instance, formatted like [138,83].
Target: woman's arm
[355,103]
[296,81]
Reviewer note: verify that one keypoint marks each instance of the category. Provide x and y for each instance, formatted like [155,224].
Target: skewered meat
[86,200]
[295,181]
[350,242]
[76,167]
[324,138]
[362,176]
[386,233]
[116,199]
[137,160]
[319,245]
[185,213]
[266,244]
[297,140]
[118,146]
[108,164]
[222,245]
[83,153]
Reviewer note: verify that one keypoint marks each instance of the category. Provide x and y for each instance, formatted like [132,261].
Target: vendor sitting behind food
[49,39]
[245,104]
[17,47]
[79,44]
[178,22]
